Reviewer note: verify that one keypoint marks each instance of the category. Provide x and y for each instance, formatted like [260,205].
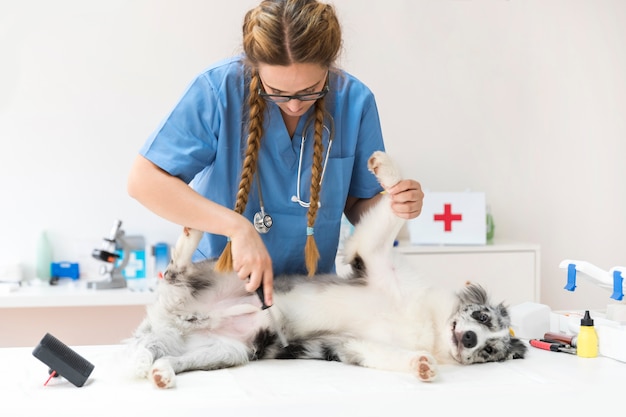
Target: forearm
[172,199]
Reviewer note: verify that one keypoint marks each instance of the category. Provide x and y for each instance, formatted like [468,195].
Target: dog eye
[480,317]
[489,350]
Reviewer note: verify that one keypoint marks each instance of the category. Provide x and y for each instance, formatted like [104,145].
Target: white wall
[522,99]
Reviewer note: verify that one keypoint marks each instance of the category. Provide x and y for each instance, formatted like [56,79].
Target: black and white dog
[378,316]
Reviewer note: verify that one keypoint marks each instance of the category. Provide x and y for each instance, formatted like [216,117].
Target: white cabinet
[509,271]
[72,313]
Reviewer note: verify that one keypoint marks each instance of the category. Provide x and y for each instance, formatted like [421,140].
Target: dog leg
[388,223]
[185,247]
[373,237]
[216,353]
[386,357]
[374,234]
[148,344]
[142,360]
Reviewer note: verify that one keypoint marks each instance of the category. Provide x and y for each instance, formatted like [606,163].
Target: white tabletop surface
[545,382]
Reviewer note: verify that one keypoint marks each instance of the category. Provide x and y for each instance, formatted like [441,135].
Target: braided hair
[284,32]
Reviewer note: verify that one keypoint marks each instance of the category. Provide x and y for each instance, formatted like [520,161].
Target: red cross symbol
[447,217]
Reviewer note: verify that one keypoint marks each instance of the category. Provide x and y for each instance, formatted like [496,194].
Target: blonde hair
[284,32]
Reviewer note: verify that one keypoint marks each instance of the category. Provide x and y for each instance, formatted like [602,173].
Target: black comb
[63,360]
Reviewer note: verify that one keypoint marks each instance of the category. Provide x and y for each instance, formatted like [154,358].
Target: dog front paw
[425,367]
[381,165]
[162,374]
[141,362]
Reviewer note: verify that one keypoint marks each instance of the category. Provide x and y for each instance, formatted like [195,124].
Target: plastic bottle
[587,343]
[135,269]
[161,256]
[44,257]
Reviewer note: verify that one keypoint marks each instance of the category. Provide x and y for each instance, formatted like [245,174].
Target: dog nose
[469,339]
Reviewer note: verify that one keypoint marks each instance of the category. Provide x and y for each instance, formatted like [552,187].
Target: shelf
[71,294]
[76,294]
[405,246]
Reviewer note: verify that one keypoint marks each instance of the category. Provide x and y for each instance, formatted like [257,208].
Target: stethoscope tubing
[331,133]
[263,221]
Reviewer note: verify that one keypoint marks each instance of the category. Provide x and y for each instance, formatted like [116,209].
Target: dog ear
[503,314]
[473,294]
[517,349]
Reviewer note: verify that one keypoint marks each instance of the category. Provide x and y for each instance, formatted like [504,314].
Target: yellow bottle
[587,345]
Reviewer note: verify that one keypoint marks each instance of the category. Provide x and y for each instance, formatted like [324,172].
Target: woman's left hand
[407,198]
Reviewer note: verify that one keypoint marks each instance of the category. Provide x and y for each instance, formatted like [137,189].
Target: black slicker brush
[62,360]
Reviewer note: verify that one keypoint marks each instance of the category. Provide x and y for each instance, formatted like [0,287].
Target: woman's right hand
[172,199]
[251,260]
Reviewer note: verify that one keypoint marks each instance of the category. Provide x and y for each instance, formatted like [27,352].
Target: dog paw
[141,361]
[381,165]
[162,374]
[185,247]
[425,367]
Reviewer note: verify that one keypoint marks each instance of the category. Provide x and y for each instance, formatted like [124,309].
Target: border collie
[378,315]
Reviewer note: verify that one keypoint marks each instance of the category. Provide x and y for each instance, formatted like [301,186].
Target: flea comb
[62,360]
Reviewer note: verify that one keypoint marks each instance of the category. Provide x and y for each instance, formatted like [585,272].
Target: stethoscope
[262,220]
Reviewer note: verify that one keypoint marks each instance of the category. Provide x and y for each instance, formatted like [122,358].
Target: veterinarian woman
[279,133]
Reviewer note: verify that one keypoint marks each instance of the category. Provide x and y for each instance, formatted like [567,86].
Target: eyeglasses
[279,98]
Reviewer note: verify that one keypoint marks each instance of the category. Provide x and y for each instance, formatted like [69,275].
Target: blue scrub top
[203,141]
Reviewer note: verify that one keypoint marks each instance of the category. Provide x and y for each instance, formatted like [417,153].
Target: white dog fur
[379,316]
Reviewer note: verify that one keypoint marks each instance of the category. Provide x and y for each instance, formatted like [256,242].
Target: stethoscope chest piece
[262,222]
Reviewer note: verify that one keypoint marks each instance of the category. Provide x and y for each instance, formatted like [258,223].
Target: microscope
[114,278]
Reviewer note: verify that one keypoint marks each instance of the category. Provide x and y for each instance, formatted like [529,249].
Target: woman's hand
[251,260]
[407,198]
[172,199]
